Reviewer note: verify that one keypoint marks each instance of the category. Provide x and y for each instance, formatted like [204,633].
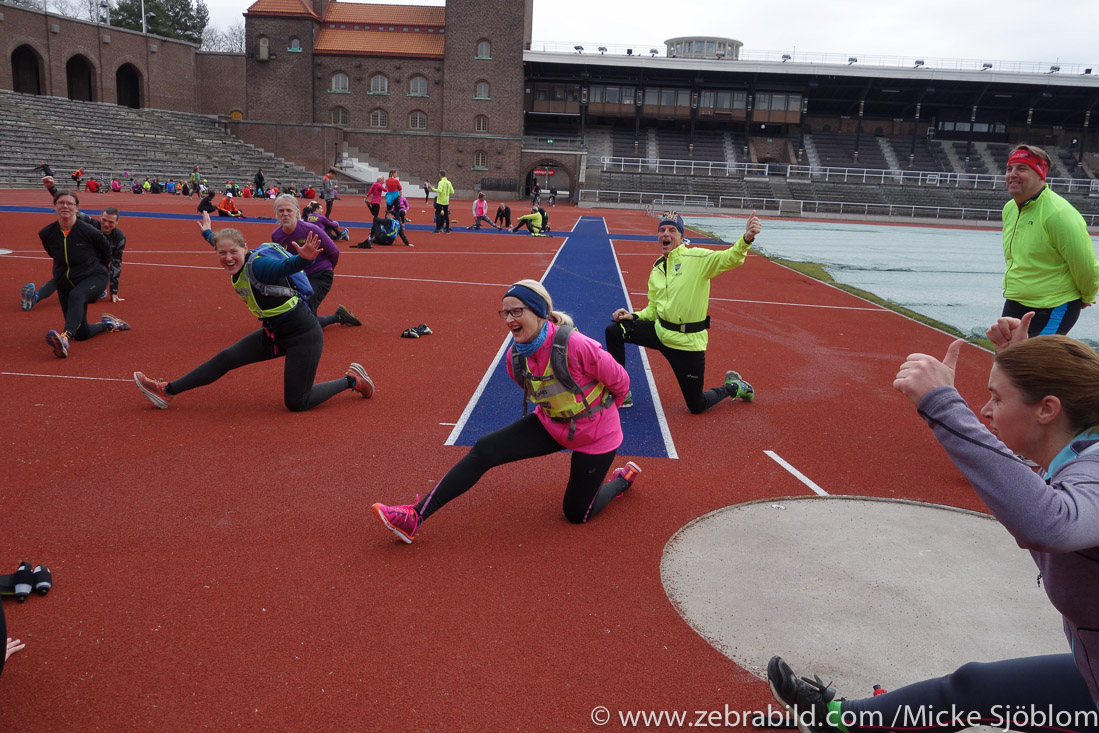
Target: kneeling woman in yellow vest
[289,327]
[576,388]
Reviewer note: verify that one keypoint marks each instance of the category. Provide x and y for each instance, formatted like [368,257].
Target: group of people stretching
[1043,409]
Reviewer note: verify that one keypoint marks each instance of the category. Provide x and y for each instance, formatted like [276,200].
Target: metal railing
[681,167]
[649,201]
[832,174]
[644,198]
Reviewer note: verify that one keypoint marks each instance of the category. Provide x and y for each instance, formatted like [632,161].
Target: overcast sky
[1062,31]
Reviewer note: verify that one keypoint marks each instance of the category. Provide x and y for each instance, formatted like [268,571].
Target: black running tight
[299,340]
[585,494]
[1018,693]
[74,306]
[689,366]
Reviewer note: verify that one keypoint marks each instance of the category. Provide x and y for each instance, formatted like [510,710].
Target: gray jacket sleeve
[1055,517]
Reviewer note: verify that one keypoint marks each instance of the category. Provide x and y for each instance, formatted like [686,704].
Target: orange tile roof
[281,7]
[372,13]
[378,43]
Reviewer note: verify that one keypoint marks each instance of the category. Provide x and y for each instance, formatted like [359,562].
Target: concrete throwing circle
[859,591]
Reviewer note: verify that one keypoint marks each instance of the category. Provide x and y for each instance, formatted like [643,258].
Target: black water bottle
[43,579]
[23,580]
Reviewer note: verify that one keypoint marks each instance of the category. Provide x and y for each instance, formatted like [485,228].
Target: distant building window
[295,45]
[236,115]
[264,48]
[417,86]
[480,159]
[480,123]
[340,116]
[417,121]
[378,118]
[481,90]
[379,84]
[484,50]
[340,83]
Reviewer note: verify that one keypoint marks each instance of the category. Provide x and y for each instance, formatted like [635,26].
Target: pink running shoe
[403,520]
[364,385]
[153,389]
[629,472]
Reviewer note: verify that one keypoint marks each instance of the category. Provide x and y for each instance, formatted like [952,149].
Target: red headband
[1029,159]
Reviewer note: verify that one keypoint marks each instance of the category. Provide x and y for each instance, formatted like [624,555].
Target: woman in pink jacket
[374,195]
[582,416]
[480,213]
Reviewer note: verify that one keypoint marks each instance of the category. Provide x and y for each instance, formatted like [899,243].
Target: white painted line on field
[797,474]
[63,376]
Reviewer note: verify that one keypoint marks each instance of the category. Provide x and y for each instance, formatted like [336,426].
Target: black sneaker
[347,318]
[422,329]
[807,699]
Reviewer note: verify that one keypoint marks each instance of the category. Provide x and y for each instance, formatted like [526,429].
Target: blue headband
[671,217]
[531,299]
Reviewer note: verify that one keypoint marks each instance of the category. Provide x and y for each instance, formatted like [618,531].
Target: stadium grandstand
[353,88]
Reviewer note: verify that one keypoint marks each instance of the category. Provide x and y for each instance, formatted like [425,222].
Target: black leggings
[993,693]
[298,338]
[585,494]
[1046,321]
[689,366]
[74,306]
[321,280]
[442,217]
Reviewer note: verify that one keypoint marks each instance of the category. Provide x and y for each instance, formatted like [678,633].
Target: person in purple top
[312,215]
[291,234]
[1043,407]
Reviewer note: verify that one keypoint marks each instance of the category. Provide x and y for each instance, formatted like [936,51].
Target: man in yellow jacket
[675,321]
[442,190]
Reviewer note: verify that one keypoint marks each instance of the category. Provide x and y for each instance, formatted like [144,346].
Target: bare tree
[234,37]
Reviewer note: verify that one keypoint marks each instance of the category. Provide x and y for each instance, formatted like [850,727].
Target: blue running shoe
[28,296]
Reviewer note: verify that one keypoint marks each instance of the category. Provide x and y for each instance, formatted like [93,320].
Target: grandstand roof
[283,8]
[372,13]
[379,43]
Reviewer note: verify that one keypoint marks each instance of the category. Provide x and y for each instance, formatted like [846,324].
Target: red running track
[216,564]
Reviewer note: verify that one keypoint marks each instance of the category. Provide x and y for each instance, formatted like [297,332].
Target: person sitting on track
[532,221]
[585,421]
[81,261]
[384,231]
[1044,405]
[480,211]
[291,234]
[675,321]
[226,207]
[312,215]
[289,328]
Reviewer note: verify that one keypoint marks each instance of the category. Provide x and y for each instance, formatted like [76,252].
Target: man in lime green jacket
[1050,261]
[675,320]
[442,190]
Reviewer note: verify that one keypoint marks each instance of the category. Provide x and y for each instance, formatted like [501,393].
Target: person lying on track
[577,411]
[289,328]
[1044,406]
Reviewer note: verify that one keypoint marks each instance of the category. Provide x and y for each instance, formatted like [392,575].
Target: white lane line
[797,474]
[63,376]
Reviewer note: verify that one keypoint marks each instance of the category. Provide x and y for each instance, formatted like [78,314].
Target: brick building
[410,87]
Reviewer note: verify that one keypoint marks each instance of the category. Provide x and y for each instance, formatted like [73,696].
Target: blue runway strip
[584,281]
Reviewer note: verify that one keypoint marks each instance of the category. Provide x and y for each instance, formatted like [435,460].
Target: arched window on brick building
[378,118]
[417,121]
[379,84]
[340,116]
[340,83]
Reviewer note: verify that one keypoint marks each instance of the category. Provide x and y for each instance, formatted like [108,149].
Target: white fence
[649,201]
[827,174]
